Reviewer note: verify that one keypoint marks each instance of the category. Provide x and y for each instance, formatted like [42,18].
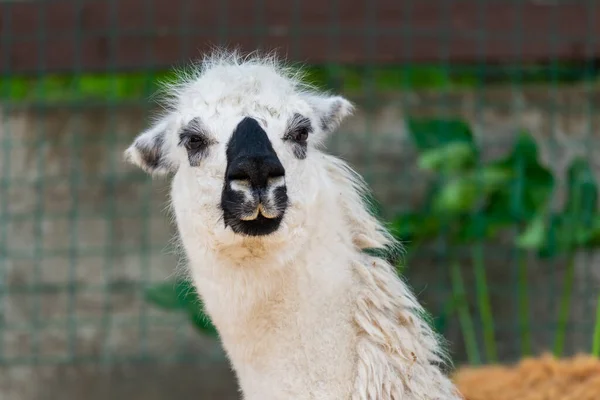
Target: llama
[274,232]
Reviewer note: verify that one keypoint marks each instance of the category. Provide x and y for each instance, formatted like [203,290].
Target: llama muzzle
[254,197]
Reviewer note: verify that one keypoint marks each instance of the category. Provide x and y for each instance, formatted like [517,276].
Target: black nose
[251,158]
[257,169]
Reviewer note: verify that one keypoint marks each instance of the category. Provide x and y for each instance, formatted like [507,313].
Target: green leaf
[169,295]
[534,236]
[493,178]
[592,237]
[582,201]
[181,295]
[456,196]
[578,225]
[562,237]
[465,193]
[410,225]
[428,134]
[200,319]
[477,227]
[453,157]
[554,242]
[530,184]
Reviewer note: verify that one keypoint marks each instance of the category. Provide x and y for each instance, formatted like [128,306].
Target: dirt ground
[576,378]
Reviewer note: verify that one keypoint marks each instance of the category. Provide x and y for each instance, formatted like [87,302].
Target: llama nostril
[240,183]
[276,181]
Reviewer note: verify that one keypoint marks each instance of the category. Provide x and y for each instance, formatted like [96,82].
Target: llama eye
[301,135]
[195,142]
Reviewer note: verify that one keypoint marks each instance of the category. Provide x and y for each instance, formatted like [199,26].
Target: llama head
[241,136]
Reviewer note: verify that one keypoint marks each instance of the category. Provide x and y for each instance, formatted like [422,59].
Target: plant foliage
[470,201]
[180,295]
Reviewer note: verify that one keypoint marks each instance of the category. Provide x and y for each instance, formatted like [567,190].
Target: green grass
[135,86]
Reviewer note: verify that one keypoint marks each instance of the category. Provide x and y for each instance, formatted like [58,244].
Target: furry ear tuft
[151,150]
[331,110]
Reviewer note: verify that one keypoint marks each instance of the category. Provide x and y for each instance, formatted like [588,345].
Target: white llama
[274,231]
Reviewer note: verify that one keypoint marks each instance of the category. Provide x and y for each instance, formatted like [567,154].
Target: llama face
[242,140]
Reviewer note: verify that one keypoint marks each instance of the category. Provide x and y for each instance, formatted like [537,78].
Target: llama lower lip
[261,226]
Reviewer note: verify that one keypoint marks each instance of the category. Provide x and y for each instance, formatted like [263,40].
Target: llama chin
[274,232]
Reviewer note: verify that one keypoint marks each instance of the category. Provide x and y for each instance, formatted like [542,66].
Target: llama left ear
[331,110]
[151,149]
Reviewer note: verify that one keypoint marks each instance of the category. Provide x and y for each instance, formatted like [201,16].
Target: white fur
[303,313]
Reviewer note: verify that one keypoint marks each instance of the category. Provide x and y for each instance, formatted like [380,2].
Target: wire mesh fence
[476,128]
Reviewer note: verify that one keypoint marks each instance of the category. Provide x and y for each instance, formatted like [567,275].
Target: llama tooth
[252,216]
[265,213]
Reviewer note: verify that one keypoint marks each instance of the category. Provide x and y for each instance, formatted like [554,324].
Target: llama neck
[337,326]
[288,330]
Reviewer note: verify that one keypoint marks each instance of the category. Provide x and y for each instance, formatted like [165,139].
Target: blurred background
[477,129]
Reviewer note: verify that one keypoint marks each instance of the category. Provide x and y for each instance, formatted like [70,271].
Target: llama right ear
[151,150]
[331,110]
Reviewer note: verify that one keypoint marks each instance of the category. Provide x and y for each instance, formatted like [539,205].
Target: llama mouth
[257,215]
[260,210]
[252,218]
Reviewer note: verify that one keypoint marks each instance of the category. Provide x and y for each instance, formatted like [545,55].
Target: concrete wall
[93,231]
